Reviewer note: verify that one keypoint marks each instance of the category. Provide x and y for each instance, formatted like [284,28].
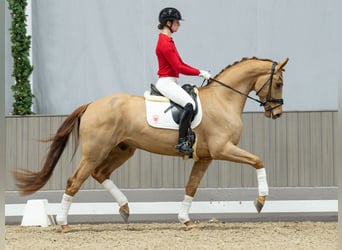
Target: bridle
[269,98]
[269,93]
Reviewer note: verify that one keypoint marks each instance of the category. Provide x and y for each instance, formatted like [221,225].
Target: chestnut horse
[113,127]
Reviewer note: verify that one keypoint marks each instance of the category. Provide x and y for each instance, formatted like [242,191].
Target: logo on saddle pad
[163,113]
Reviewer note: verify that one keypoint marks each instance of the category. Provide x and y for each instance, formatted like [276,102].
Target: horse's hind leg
[102,173]
[74,183]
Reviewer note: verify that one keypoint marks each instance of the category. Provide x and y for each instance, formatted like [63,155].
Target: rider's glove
[205,74]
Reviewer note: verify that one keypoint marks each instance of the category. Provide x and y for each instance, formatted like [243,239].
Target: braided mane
[242,60]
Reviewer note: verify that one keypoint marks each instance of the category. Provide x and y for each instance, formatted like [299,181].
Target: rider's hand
[205,74]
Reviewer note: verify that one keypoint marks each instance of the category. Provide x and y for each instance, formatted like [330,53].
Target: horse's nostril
[276,116]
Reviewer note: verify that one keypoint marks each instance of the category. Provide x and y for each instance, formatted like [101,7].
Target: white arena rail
[214,205]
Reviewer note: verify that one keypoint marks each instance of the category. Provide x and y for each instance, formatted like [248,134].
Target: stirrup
[185,147]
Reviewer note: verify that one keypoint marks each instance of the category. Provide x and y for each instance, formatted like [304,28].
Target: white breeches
[170,88]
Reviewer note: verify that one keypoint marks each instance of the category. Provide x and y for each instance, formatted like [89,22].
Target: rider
[170,66]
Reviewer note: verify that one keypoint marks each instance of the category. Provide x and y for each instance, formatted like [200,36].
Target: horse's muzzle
[273,113]
[275,116]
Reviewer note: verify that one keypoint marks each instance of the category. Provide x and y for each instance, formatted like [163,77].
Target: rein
[238,91]
[268,97]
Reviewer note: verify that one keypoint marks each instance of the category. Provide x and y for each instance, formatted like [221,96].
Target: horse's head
[269,89]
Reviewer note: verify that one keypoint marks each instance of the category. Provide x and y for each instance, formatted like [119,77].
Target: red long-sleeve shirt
[169,61]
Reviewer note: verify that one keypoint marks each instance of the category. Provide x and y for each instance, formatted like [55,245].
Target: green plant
[22,68]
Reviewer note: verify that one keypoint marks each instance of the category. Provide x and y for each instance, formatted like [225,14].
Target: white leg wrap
[183,215]
[120,198]
[63,211]
[262,182]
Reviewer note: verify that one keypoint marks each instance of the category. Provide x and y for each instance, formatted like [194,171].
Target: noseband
[269,93]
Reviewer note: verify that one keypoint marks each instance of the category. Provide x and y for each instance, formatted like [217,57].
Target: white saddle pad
[155,107]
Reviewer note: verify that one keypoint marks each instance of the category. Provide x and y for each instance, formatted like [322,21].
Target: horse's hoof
[190,226]
[124,212]
[65,228]
[259,203]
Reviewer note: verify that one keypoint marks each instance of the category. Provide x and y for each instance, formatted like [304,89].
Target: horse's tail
[29,182]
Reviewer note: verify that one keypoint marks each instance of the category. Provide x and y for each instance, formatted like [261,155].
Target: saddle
[176,109]
[163,113]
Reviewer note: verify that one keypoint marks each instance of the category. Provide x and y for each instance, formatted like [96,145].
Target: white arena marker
[35,214]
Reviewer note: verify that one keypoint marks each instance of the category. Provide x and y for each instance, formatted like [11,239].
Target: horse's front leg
[198,170]
[233,153]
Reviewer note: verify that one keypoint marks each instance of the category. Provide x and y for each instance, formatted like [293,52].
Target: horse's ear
[281,65]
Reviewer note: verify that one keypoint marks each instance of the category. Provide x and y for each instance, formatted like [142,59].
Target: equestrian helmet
[169,14]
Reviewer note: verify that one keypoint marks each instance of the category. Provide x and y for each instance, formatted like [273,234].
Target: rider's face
[175,25]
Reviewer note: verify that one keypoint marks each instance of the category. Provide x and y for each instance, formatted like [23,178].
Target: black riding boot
[184,145]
